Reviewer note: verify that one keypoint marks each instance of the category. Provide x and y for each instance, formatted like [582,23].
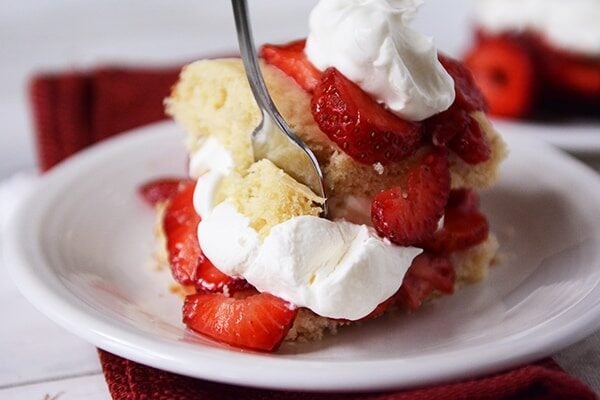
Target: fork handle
[250,60]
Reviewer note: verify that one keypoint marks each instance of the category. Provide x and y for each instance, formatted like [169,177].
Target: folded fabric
[76,109]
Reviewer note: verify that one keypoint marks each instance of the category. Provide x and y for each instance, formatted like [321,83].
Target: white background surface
[37,358]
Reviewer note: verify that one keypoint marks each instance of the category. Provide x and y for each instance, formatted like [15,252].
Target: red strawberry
[290,58]
[410,215]
[505,71]
[443,127]
[159,190]
[468,95]
[464,226]
[189,265]
[362,128]
[426,274]
[572,73]
[258,322]
[470,144]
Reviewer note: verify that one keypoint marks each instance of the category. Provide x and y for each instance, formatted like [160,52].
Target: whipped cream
[370,42]
[570,25]
[335,268]
[338,269]
[210,164]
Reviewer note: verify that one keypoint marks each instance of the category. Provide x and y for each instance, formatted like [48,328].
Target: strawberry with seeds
[258,322]
[189,265]
[360,126]
[290,58]
[426,274]
[409,215]
[464,225]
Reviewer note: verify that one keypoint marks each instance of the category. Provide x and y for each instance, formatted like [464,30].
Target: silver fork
[273,139]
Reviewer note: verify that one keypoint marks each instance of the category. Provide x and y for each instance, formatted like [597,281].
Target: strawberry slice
[464,225]
[360,126]
[505,71]
[159,190]
[258,322]
[426,274]
[468,95]
[572,73]
[470,144]
[189,265]
[290,58]
[410,215]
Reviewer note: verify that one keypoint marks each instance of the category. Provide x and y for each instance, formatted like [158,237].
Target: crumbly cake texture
[212,98]
[268,196]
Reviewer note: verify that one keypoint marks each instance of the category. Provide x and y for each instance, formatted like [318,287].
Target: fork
[273,139]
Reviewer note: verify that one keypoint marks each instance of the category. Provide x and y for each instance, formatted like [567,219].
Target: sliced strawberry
[505,71]
[463,200]
[443,127]
[290,58]
[362,128]
[457,130]
[189,265]
[468,95]
[426,274]
[410,215]
[258,322]
[470,143]
[159,190]
[464,225]
[572,73]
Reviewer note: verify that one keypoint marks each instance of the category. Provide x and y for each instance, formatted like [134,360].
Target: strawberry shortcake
[404,143]
[537,57]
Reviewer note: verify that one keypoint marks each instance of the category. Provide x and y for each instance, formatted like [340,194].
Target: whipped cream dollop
[338,269]
[335,268]
[209,165]
[371,43]
[572,25]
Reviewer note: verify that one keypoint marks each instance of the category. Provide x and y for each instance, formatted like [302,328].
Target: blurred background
[57,35]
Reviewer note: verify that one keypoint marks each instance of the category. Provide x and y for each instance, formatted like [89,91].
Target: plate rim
[128,342]
[584,137]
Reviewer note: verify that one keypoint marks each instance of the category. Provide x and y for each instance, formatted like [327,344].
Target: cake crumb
[379,168]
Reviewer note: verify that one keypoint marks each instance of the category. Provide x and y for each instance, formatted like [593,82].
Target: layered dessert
[538,58]
[401,135]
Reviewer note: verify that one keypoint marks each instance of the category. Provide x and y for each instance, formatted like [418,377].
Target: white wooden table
[38,359]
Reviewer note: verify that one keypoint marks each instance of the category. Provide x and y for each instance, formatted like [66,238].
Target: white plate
[575,136]
[81,246]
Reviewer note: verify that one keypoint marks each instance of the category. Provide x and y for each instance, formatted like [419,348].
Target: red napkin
[74,110]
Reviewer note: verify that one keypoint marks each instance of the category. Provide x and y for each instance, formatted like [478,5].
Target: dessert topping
[291,59]
[160,190]
[426,274]
[258,322]
[335,268]
[505,72]
[409,214]
[569,25]
[371,43]
[360,126]
[464,225]
[189,265]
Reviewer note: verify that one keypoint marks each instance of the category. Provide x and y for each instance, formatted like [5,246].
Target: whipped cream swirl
[371,43]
